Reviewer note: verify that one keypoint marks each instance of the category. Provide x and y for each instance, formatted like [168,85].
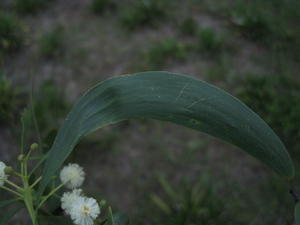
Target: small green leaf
[116,218]
[110,219]
[167,187]
[161,204]
[120,219]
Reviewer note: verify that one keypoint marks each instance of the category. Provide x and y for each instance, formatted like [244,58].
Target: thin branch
[35,123]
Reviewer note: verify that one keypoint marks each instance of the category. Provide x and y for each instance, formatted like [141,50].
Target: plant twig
[11,191]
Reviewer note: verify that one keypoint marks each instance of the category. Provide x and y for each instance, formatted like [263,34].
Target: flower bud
[8,170]
[102,203]
[21,157]
[34,146]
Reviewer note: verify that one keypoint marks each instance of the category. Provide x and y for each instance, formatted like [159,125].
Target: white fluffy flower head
[3,175]
[69,198]
[85,211]
[72,176]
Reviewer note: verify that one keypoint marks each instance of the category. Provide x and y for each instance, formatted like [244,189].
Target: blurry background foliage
[160,52]
[100,6]
[144,13]
[51,43]
[190,203]
[276,99]
[9,101]
[250,48]
[30,6]
[11,34]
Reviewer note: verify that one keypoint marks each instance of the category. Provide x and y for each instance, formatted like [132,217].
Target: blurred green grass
[164,35]
[51,43]
[12,33]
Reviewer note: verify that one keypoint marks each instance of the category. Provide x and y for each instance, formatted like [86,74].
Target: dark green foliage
[55,220]
[189,204]
[251,22]
[209,40]
[44,114]
[263,19]
[163,51]
[9,101]
[105,142]
[11,34]
[99,6]
[188,26]
[116,218]
[141,13]
[121,219]
[221,70]
[51,43]
[277,99]
[216,73]
[273,23]
[50,106]
[30,6]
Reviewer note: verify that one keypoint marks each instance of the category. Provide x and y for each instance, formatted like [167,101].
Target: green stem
[39,163]
[49,195]
[29,201]
[17,174]
[14,185]
[36,182]
[35,122]
[35,157]
[22,171]
[31,212]
[22,135]
[11,191]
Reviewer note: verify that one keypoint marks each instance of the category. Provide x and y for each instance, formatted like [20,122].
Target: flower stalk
[82,210]
[25,192]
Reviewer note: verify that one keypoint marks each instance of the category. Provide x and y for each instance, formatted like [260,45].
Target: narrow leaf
[5,218]
[167,187]
[110,219]
[120,219]
[162,205]
[169,97]
[7,202]
[116,218]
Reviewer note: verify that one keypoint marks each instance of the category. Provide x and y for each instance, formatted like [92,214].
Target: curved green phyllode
[169,97]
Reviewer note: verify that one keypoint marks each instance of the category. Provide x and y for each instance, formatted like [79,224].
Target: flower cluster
[69,198]
[81,209]
[3,175]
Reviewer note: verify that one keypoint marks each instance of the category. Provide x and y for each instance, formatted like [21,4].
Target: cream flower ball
[84,211]
[3,175]
[72,176]
[69,198]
